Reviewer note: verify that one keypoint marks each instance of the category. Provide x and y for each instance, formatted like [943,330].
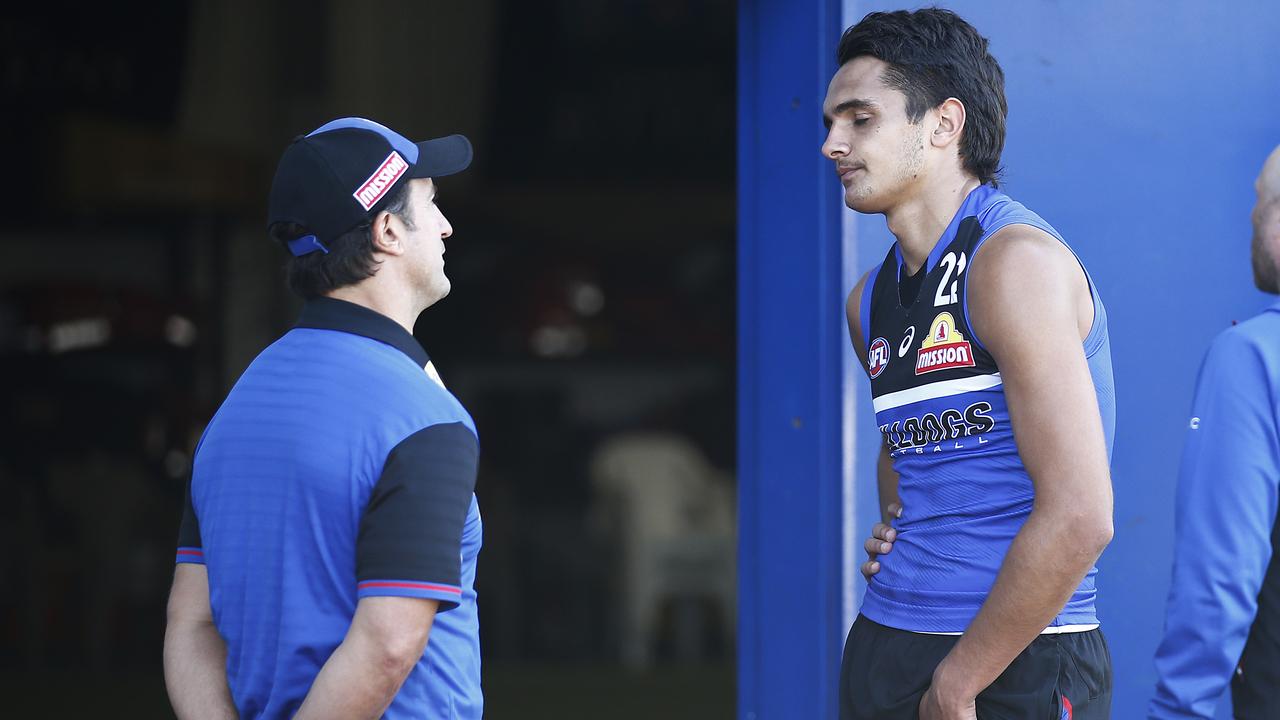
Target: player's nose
[834,147]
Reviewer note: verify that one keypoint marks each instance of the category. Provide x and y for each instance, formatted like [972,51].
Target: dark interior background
[593,273]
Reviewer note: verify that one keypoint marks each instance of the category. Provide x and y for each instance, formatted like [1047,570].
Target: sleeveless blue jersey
[940,405]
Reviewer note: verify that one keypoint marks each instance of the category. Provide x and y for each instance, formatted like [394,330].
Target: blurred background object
[590,329]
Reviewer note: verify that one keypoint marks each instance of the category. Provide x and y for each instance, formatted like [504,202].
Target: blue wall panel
[1137,129]
[790,365]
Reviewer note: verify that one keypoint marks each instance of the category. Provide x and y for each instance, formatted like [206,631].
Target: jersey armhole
[864,306]
[1091,342]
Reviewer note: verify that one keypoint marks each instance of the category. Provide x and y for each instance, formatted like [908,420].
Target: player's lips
[846,171]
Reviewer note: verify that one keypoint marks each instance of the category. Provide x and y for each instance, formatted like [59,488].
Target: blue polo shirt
[339,467]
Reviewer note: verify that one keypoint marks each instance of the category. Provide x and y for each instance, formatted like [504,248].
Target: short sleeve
[410,540]
[190,549]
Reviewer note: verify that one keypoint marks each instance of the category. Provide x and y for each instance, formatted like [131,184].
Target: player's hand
[934,706]
[880,543]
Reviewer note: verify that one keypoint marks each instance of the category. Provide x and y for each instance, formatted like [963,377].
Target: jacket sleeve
[1226,505]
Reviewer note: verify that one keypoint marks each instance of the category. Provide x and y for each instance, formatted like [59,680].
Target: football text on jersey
[933,429]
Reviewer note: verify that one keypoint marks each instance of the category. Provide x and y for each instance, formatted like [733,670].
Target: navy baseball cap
[341,174]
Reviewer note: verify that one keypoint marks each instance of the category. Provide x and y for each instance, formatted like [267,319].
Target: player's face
[878,154]
[426,241]
[1266,234]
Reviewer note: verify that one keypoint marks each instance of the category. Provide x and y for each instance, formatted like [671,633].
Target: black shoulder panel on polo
[326,313]
[412,527]
[189,530]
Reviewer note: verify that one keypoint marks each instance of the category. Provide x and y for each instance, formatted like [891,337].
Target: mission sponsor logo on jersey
[944,348]
[878,357]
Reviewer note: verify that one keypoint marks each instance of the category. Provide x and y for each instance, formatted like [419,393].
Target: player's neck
[918,222]
[380,298]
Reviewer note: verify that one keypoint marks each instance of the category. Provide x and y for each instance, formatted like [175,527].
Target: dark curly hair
[933,54]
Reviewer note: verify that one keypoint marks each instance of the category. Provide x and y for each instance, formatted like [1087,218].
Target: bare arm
[852,311]
[1031,305]
[882,533]
[886,476]
[887,485]
[387,638]
[195,657]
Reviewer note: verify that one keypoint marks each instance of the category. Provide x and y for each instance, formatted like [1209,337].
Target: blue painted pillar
[792,382]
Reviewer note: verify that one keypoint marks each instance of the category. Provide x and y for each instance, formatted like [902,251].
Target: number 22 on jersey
[952,266]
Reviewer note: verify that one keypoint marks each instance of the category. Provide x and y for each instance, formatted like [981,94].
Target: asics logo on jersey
[381,180]
[947,426]
[906,341]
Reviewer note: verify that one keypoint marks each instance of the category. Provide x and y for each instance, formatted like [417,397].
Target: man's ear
[387,234]
[951,116]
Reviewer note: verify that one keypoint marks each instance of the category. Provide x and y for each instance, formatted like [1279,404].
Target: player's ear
[387,234]
[951,116]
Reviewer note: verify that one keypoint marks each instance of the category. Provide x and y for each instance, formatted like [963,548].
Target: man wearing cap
[327,551]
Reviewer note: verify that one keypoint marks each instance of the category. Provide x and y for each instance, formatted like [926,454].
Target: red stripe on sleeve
[410,586]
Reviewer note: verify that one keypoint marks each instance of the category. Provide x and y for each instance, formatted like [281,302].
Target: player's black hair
[933,54]
[350,258]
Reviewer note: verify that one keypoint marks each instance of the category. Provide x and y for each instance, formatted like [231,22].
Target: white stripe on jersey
[945,388]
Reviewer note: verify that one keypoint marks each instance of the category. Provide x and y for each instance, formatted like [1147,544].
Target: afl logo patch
[944,348]
[878,356]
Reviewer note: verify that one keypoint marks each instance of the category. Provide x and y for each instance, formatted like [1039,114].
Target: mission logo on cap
[340,175]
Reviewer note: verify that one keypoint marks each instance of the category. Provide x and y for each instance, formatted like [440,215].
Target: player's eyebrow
[847,105]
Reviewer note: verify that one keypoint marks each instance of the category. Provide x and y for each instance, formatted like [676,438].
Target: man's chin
[1265,283]
[439,291]
[860,200]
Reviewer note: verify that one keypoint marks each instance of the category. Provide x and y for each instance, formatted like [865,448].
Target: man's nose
[834,147]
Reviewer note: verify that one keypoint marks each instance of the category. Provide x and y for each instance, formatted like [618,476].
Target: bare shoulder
[1023,276]
[853,306]
[1022,253]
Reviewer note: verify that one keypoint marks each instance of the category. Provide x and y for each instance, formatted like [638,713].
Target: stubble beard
[912,158]
[861,196]
[1264,265]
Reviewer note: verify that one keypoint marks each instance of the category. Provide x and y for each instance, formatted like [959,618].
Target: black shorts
[885,672]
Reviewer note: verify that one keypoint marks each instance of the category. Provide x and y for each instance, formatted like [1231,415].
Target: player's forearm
[195,671]
[1046,562]
[886,484]
[359,680]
